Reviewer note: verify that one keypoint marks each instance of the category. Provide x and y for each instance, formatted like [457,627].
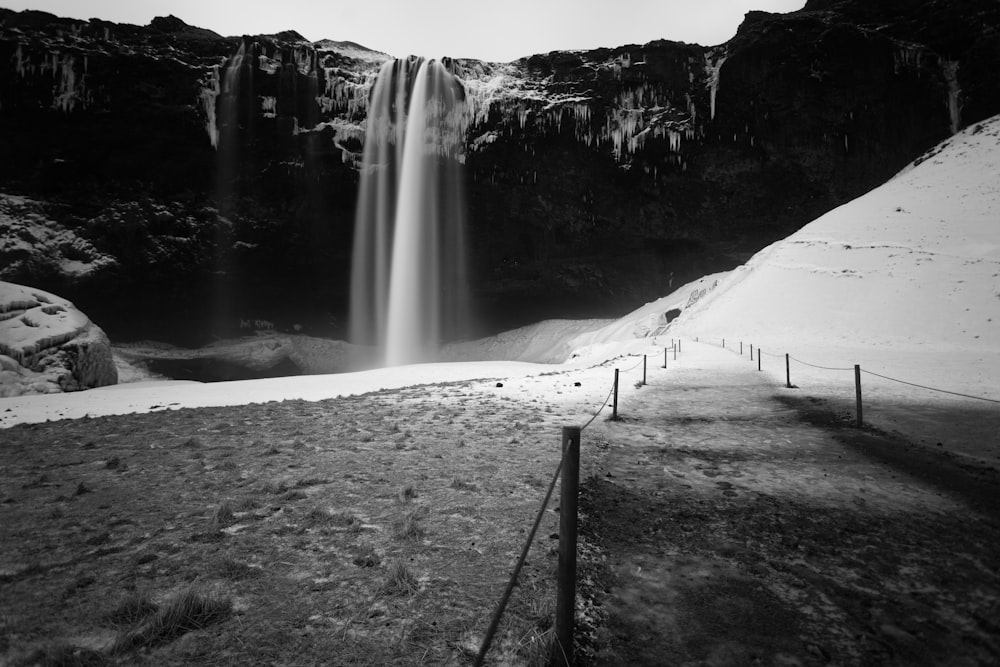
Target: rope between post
[502,606]
[633,367]
[943,391]
[603,405]
[825,368]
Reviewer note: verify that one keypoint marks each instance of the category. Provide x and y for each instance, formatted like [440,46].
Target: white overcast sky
[498,30]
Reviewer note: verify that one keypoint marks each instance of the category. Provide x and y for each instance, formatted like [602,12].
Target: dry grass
[223,516]
[187,612]
[398,580]
[132,607]
[464,484]
[350,532]
[408,526]
[63,654]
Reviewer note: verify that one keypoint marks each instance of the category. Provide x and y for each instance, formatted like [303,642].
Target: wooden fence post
[614,405]
[741,348]
[751,351]
[857,390]
[788,372]
[644,370]
[759,355]
[665,357]
[566,577]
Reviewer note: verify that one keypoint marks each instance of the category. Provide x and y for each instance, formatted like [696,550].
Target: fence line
[825,368]
[943,391]
[603,405]
[857,369]
[502,606]
[567,538]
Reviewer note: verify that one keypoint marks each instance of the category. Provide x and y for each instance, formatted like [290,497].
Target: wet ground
[728,521]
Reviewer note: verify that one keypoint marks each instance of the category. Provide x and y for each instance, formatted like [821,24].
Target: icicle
[713,68]
[950,68]
[269,106]
[67,91]
[19,59]
[907,55]
[208,97]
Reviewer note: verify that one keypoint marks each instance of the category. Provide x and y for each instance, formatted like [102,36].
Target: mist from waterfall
[408,278]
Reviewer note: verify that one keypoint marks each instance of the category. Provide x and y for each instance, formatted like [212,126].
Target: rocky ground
[725,520]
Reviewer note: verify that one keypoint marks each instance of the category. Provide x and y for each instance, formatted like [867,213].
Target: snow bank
[915,262]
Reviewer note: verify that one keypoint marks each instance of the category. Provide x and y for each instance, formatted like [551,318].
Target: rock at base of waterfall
[48,346]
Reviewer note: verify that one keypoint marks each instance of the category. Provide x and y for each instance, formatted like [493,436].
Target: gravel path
[743,524]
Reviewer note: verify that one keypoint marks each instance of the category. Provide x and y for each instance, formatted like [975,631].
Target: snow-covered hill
[914,262]
[905,279]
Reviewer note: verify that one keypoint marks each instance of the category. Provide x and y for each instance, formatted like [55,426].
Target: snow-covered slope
[547,342]
[905,279]
[913,262]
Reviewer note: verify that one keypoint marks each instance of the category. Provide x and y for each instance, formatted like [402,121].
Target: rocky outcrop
[47,345]
[220,173]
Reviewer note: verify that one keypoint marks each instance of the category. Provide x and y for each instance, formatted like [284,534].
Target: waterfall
[408,278]
[233,123]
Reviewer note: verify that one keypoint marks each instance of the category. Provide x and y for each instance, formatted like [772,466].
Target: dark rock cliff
[220,174]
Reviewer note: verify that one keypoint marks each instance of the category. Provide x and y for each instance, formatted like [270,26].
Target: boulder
[48,346]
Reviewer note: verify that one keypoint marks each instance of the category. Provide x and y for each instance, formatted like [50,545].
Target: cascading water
[233,121]
[408,282]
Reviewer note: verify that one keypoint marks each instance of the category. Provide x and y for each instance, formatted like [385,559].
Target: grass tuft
[464,484]
[311,481]
[223,516]
[317,517]
[273,487]
[186,612]
[408,527]
[406,495]
[234,570]
[131,608]
[352,523]
[368,557]
[399,580]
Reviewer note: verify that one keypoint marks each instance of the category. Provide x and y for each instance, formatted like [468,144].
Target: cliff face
[221,173]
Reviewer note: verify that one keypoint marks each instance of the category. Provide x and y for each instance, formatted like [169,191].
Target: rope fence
[857,378]
[569,469]
[943,391]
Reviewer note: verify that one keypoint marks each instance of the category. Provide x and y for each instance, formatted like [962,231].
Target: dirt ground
[725,521]
[379,529]
[743,523]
